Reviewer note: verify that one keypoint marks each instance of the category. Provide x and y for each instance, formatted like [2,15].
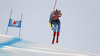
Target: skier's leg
[54,30]
[55,26]
[58,30]
[59,26]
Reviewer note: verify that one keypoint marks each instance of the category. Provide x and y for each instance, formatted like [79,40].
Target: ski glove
[51,26]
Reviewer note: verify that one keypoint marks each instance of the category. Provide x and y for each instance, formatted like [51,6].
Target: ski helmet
[58,10]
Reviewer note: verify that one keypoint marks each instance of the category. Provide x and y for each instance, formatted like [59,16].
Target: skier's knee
[54,34]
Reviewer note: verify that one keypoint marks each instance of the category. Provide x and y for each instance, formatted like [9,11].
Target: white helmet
[58,10]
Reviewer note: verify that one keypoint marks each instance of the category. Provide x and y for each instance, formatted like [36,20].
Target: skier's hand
[52,28]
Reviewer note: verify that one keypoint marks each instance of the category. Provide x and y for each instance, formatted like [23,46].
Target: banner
[14,23]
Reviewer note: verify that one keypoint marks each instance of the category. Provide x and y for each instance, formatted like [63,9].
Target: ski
[57,40]
[53,40]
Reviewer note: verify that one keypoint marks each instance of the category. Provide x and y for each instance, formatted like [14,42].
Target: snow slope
[12,46]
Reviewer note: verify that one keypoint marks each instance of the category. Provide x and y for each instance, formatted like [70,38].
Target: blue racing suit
[54,19]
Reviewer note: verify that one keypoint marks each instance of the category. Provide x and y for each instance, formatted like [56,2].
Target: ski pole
[55,5]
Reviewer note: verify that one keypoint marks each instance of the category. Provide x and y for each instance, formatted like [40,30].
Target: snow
[12,46]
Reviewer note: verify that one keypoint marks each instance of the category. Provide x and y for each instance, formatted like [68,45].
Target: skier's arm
[50,25]
[60,15]
[51,16]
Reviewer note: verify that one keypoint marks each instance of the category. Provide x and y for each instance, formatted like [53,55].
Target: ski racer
[55,23]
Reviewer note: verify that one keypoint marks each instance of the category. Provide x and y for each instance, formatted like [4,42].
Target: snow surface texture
[12,46]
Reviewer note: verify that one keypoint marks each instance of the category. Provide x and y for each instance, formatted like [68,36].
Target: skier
[54,19]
